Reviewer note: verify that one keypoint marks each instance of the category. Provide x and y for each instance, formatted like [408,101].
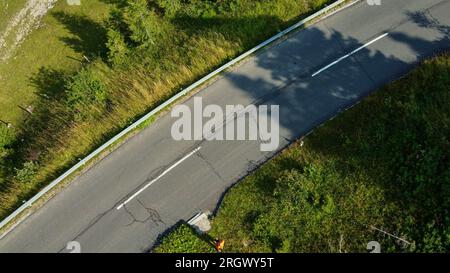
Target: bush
[184,239]
[84,91]
[27,173]
[170,7]
[117,47]
[143,23]
[316,209]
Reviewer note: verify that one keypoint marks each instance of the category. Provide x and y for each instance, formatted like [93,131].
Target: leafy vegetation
[27,172]
[184,239]
[85,90]
[380,167]
[143,53]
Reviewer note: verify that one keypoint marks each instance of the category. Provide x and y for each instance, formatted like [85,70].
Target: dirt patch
[21,25]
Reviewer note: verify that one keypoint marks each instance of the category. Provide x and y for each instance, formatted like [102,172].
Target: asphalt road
[87,210]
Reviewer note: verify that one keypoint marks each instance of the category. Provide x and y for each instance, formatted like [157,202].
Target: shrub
[27,172]
[84,91]
[170,7]
[143,24]
[117,47]
[184,240]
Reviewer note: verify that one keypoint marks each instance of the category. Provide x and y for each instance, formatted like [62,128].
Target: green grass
[49,54]
[7,10]
[189,45]
[382,164]
[39,68]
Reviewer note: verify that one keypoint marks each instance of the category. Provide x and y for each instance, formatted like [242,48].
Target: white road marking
[157,178]
[349,54]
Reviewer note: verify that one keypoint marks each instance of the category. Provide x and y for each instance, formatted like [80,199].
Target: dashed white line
[349,54]
[157,178]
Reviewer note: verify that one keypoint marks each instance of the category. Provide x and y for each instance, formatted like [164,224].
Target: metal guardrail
[185,91]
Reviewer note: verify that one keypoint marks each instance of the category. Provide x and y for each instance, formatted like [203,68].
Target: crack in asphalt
[151,212]
[91,224]
[153,215]
[213,169]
